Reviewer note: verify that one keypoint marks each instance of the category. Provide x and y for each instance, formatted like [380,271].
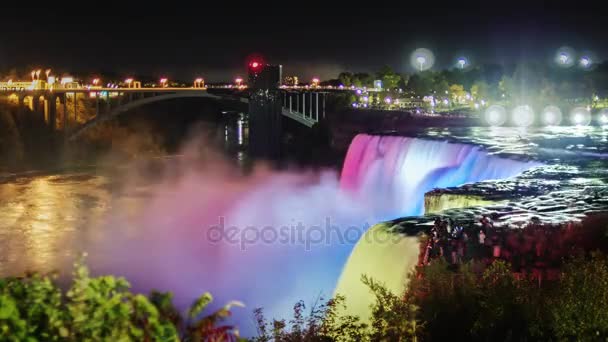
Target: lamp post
[421,61]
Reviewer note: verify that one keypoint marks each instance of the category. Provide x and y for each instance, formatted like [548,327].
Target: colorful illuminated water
[267,239]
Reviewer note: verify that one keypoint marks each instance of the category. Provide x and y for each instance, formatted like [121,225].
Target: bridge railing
[308,105]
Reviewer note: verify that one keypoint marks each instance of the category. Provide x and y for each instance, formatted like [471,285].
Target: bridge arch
[114,112]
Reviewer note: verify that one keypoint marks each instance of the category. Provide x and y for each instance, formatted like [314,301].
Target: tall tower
[265,107]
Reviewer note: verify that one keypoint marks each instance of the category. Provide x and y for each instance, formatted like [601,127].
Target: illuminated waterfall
[391,174]
[175,244]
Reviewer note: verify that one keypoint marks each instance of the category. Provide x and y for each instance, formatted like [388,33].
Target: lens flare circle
[496,115]
[523,116]
[552,116]
[422,59]
[580,116]
[602,117]
[565,57]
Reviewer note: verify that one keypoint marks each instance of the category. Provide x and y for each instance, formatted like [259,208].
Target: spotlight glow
[603,117]
[523,116]
[462,62]
[496,115]
[552,116]
[580,116]
[585,62]
[422,59]
[564,57]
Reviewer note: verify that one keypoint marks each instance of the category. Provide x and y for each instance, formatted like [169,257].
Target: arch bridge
[306,108]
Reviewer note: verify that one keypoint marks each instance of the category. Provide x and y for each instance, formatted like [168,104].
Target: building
[290,81]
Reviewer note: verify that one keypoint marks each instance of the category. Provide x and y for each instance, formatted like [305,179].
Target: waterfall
[297,235]
[391,175]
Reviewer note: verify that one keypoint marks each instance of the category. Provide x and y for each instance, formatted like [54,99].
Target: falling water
[273,238]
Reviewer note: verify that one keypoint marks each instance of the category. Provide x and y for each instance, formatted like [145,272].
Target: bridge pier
[265,113]
[51,106]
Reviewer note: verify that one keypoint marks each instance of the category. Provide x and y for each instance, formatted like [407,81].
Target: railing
[306,106]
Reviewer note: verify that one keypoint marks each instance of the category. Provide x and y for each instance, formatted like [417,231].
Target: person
[482,237]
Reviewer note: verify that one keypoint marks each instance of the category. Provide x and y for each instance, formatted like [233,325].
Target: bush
[34,308]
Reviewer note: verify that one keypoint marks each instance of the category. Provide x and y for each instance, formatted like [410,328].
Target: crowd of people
[536,249]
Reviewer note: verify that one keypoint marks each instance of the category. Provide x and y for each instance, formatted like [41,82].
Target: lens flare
[580,116]
[552,116]
[523,116]
[564,57]
[602,117]
[462,62]
[496,115]
[422,59]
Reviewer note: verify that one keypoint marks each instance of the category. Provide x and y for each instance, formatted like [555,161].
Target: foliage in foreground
[101,309]
[393,319]
[490,304]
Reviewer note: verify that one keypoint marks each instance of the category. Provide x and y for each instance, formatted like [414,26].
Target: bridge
[304,107]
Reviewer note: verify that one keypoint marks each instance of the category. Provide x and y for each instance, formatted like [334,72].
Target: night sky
[180,40]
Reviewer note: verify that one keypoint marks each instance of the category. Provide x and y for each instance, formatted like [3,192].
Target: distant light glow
[387,100]
[564,57]
[496,115]
[603,117]
[422,59]
[580,116]
[255,65]
[551,116]
[523,116]
[585,62]
[462,62]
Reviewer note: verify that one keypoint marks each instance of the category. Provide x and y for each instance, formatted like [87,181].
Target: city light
[603,117]
[551,116]
[580,116]
[462,62]
[67,79]
[422,59]
[523,116]
[163,82]
[128,80]
[238,81]
[496,115]
[96,81]
[564,57]
[585,62]
[315,82]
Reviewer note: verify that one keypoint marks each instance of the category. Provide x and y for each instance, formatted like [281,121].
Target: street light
[421,60]
[163,82]
[238,81]
[585,62]
[47,72]
[462,62]
[128,81]
[95,81]
[199,83]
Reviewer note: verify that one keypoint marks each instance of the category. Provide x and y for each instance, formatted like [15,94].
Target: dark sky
[178,39]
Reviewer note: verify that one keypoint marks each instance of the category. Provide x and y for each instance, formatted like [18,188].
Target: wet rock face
[568,188]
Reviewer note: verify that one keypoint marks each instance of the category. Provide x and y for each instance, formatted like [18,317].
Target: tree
[346,78]
[579,306]
[389,78]
[457,93]
[363,80]
[480,90]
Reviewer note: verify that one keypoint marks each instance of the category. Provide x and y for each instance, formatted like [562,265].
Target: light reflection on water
[46,220]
